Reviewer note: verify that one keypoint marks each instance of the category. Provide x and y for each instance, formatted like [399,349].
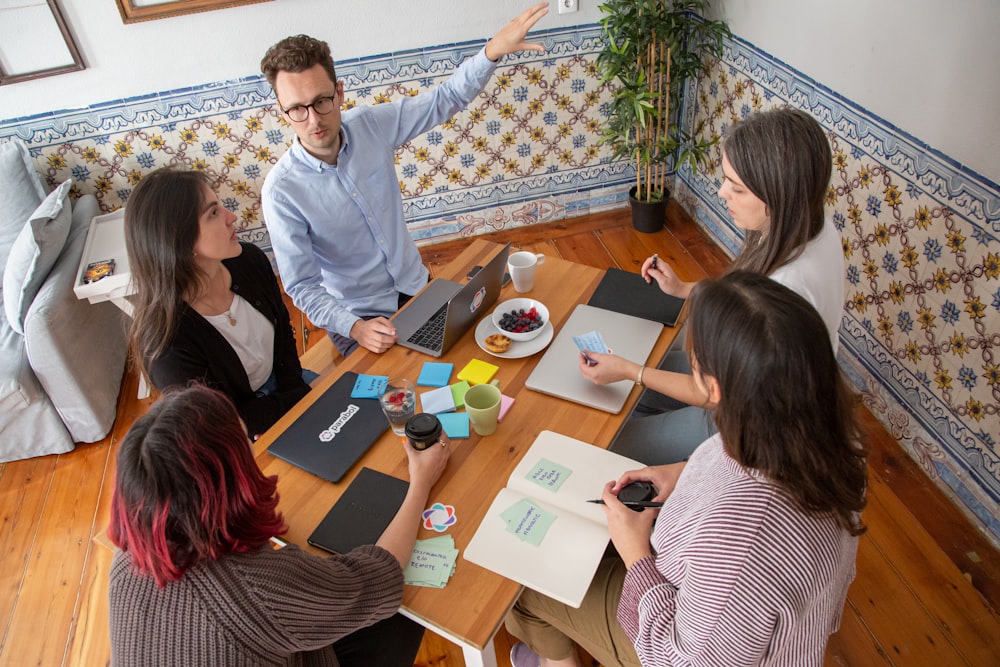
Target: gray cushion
[34,252]
[21,191]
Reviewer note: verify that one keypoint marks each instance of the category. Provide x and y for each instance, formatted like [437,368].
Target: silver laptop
[440,314]
[558,372]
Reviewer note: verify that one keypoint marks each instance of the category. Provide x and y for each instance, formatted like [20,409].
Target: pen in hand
[632,503]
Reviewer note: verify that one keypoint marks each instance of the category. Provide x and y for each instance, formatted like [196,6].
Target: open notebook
[540,530]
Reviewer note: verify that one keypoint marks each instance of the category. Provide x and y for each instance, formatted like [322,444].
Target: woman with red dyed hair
[195,580]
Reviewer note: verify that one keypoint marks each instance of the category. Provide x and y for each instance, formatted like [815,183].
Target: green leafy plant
[652,48]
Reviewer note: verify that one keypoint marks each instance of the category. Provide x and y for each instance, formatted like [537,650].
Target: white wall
[141,58]
[926,67]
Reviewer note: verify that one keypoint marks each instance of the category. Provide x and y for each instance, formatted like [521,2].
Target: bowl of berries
[521,319]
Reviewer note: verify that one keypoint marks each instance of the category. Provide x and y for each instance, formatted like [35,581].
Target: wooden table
[471,608]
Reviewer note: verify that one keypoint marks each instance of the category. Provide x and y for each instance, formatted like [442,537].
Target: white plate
[517,350]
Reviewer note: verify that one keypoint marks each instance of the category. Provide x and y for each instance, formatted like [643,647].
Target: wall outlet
[568,6]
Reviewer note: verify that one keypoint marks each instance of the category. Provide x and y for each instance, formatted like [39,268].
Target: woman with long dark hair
[776,169]
[207,307]
[753,551]
[195,581]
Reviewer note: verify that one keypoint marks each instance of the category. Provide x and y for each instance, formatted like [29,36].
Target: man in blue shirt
[332,203]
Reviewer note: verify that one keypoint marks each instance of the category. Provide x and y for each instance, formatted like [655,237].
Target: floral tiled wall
[525,151]
[920,335]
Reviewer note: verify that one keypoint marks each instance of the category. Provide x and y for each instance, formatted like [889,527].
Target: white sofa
[61,358]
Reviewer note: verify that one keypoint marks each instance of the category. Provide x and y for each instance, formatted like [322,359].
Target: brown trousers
[551,628]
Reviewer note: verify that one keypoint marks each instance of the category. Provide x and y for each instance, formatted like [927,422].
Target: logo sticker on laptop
[477,300]
[331,432]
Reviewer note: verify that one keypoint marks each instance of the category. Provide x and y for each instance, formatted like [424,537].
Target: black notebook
[333,432]
[361,514]
[630,294]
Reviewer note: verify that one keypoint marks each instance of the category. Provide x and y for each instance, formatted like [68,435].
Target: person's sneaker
[522,656]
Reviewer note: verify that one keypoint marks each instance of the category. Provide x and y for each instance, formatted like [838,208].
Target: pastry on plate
[497,343]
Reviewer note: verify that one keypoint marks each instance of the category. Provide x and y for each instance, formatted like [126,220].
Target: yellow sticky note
[478,372]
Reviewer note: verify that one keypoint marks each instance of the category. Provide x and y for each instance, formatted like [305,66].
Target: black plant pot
[648,217]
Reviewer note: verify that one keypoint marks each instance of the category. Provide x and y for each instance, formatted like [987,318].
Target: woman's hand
[609,368]
[664,478]
[630,530]
[656,269]
[426,466]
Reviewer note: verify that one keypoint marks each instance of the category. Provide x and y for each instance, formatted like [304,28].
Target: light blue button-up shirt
[338,232]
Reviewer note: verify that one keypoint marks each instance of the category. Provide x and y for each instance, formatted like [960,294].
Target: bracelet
[638,379]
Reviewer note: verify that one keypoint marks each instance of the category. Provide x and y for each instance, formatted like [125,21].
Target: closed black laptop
[361,514]
[333,432]
[629,294]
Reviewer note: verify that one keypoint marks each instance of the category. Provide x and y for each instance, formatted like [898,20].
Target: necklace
[232,320]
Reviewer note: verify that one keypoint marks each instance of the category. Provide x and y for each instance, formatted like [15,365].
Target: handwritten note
[527,521]
[369,386]
[432,562]
[549,475]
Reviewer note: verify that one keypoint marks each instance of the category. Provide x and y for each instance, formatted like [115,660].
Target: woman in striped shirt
[753,551]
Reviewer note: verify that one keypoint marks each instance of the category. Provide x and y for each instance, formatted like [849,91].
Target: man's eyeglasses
[322,106]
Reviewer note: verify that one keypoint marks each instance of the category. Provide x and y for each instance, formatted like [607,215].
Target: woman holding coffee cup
[195,579]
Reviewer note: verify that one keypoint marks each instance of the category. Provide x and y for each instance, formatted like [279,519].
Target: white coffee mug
[521,266]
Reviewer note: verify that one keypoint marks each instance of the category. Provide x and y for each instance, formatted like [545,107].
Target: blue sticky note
[369,386]
[437,400]
[435,374]
[455,424]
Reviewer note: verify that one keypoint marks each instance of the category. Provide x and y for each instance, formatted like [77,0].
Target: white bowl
[517,305]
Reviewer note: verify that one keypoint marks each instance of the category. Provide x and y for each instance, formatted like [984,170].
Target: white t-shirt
[818,276]
[252,337]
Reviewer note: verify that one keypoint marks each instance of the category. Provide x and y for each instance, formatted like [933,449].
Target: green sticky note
[549,475]
[458,393]
[527,521]
[432,562]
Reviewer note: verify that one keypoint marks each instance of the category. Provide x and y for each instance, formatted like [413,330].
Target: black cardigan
[197,351]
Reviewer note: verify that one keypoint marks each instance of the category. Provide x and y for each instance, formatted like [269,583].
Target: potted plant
[652,47]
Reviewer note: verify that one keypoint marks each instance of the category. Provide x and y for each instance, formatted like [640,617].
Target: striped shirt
[741,575]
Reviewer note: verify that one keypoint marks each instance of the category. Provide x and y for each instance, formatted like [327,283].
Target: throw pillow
[22,190]
[34,253]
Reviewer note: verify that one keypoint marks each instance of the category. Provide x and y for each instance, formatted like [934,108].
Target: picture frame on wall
[35,42]
[134,11]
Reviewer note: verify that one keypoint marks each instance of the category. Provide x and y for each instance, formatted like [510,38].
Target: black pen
[656,258]
[632,503]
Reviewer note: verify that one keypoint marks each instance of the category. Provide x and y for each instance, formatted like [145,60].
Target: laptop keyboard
[431,334]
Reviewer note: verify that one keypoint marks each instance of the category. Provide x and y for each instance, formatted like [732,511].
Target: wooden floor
[926,590]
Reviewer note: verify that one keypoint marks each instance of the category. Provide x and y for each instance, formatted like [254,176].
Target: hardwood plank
[966,546]
[90,643]
[42,622]
[933,579]
[24,487]
[853,645]
[894,615]
[694,242]
[586,249]
[629,249]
